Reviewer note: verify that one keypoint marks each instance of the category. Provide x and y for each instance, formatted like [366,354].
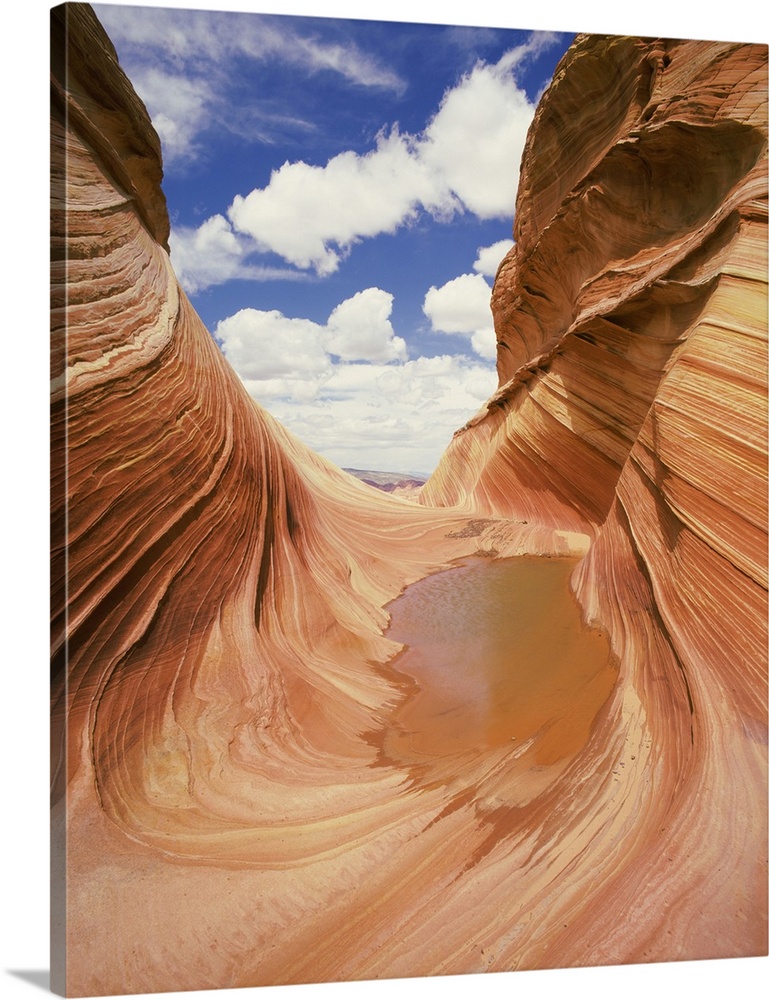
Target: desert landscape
[556,754]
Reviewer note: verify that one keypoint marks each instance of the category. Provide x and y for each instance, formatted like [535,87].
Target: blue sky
[341,193]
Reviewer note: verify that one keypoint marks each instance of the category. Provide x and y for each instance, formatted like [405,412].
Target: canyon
[249,787]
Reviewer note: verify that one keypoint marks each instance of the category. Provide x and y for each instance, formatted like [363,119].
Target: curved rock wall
[631,317]
[222,699]
[212,560]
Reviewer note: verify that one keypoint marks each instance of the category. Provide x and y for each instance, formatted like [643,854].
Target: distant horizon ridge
[387,472]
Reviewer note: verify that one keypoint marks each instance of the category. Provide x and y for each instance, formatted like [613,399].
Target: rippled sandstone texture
[631,318]
[220,696]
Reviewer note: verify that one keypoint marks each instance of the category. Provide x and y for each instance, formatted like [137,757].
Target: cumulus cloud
[293,357]
[489,258]
[359,329]
[346,387]
[466,159]
[396,417]
[312,215]
[263,346]
[474,143]
[484,342]
[461,306]
[213,253]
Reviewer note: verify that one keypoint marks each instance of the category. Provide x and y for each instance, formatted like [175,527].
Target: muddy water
[497,655]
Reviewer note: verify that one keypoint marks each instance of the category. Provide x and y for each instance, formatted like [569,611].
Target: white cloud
[379,412]
[207,255]
[294,356]
[185,65]
[536,43]
[213,253]
[312,215]
[462,306]
[359,329]
[484,342]
[489,258]
[466,159]
[358,67]
[459,306]
[267,345]
[474,142]
[397,417]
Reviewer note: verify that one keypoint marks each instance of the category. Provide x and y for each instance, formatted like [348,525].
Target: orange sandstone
[222,694]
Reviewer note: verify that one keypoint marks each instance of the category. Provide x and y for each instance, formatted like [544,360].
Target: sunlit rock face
[228,741]
[631,318]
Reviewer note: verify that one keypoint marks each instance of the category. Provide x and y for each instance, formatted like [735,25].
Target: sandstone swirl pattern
[221,690]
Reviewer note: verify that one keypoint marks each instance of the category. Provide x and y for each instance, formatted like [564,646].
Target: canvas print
[409,487]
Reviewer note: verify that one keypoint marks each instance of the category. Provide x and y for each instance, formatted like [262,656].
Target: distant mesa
[398,483]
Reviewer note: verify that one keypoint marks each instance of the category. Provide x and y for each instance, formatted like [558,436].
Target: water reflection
[499,655]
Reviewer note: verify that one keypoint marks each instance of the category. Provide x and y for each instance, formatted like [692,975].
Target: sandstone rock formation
[631,317]
[221,688]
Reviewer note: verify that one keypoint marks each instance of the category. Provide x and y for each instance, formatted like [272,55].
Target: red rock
[632,321]
[221,700]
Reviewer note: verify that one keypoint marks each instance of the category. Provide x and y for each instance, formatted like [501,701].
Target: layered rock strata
[221,692]
[631,318]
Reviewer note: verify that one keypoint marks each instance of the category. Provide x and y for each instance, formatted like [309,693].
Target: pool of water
[497,654]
